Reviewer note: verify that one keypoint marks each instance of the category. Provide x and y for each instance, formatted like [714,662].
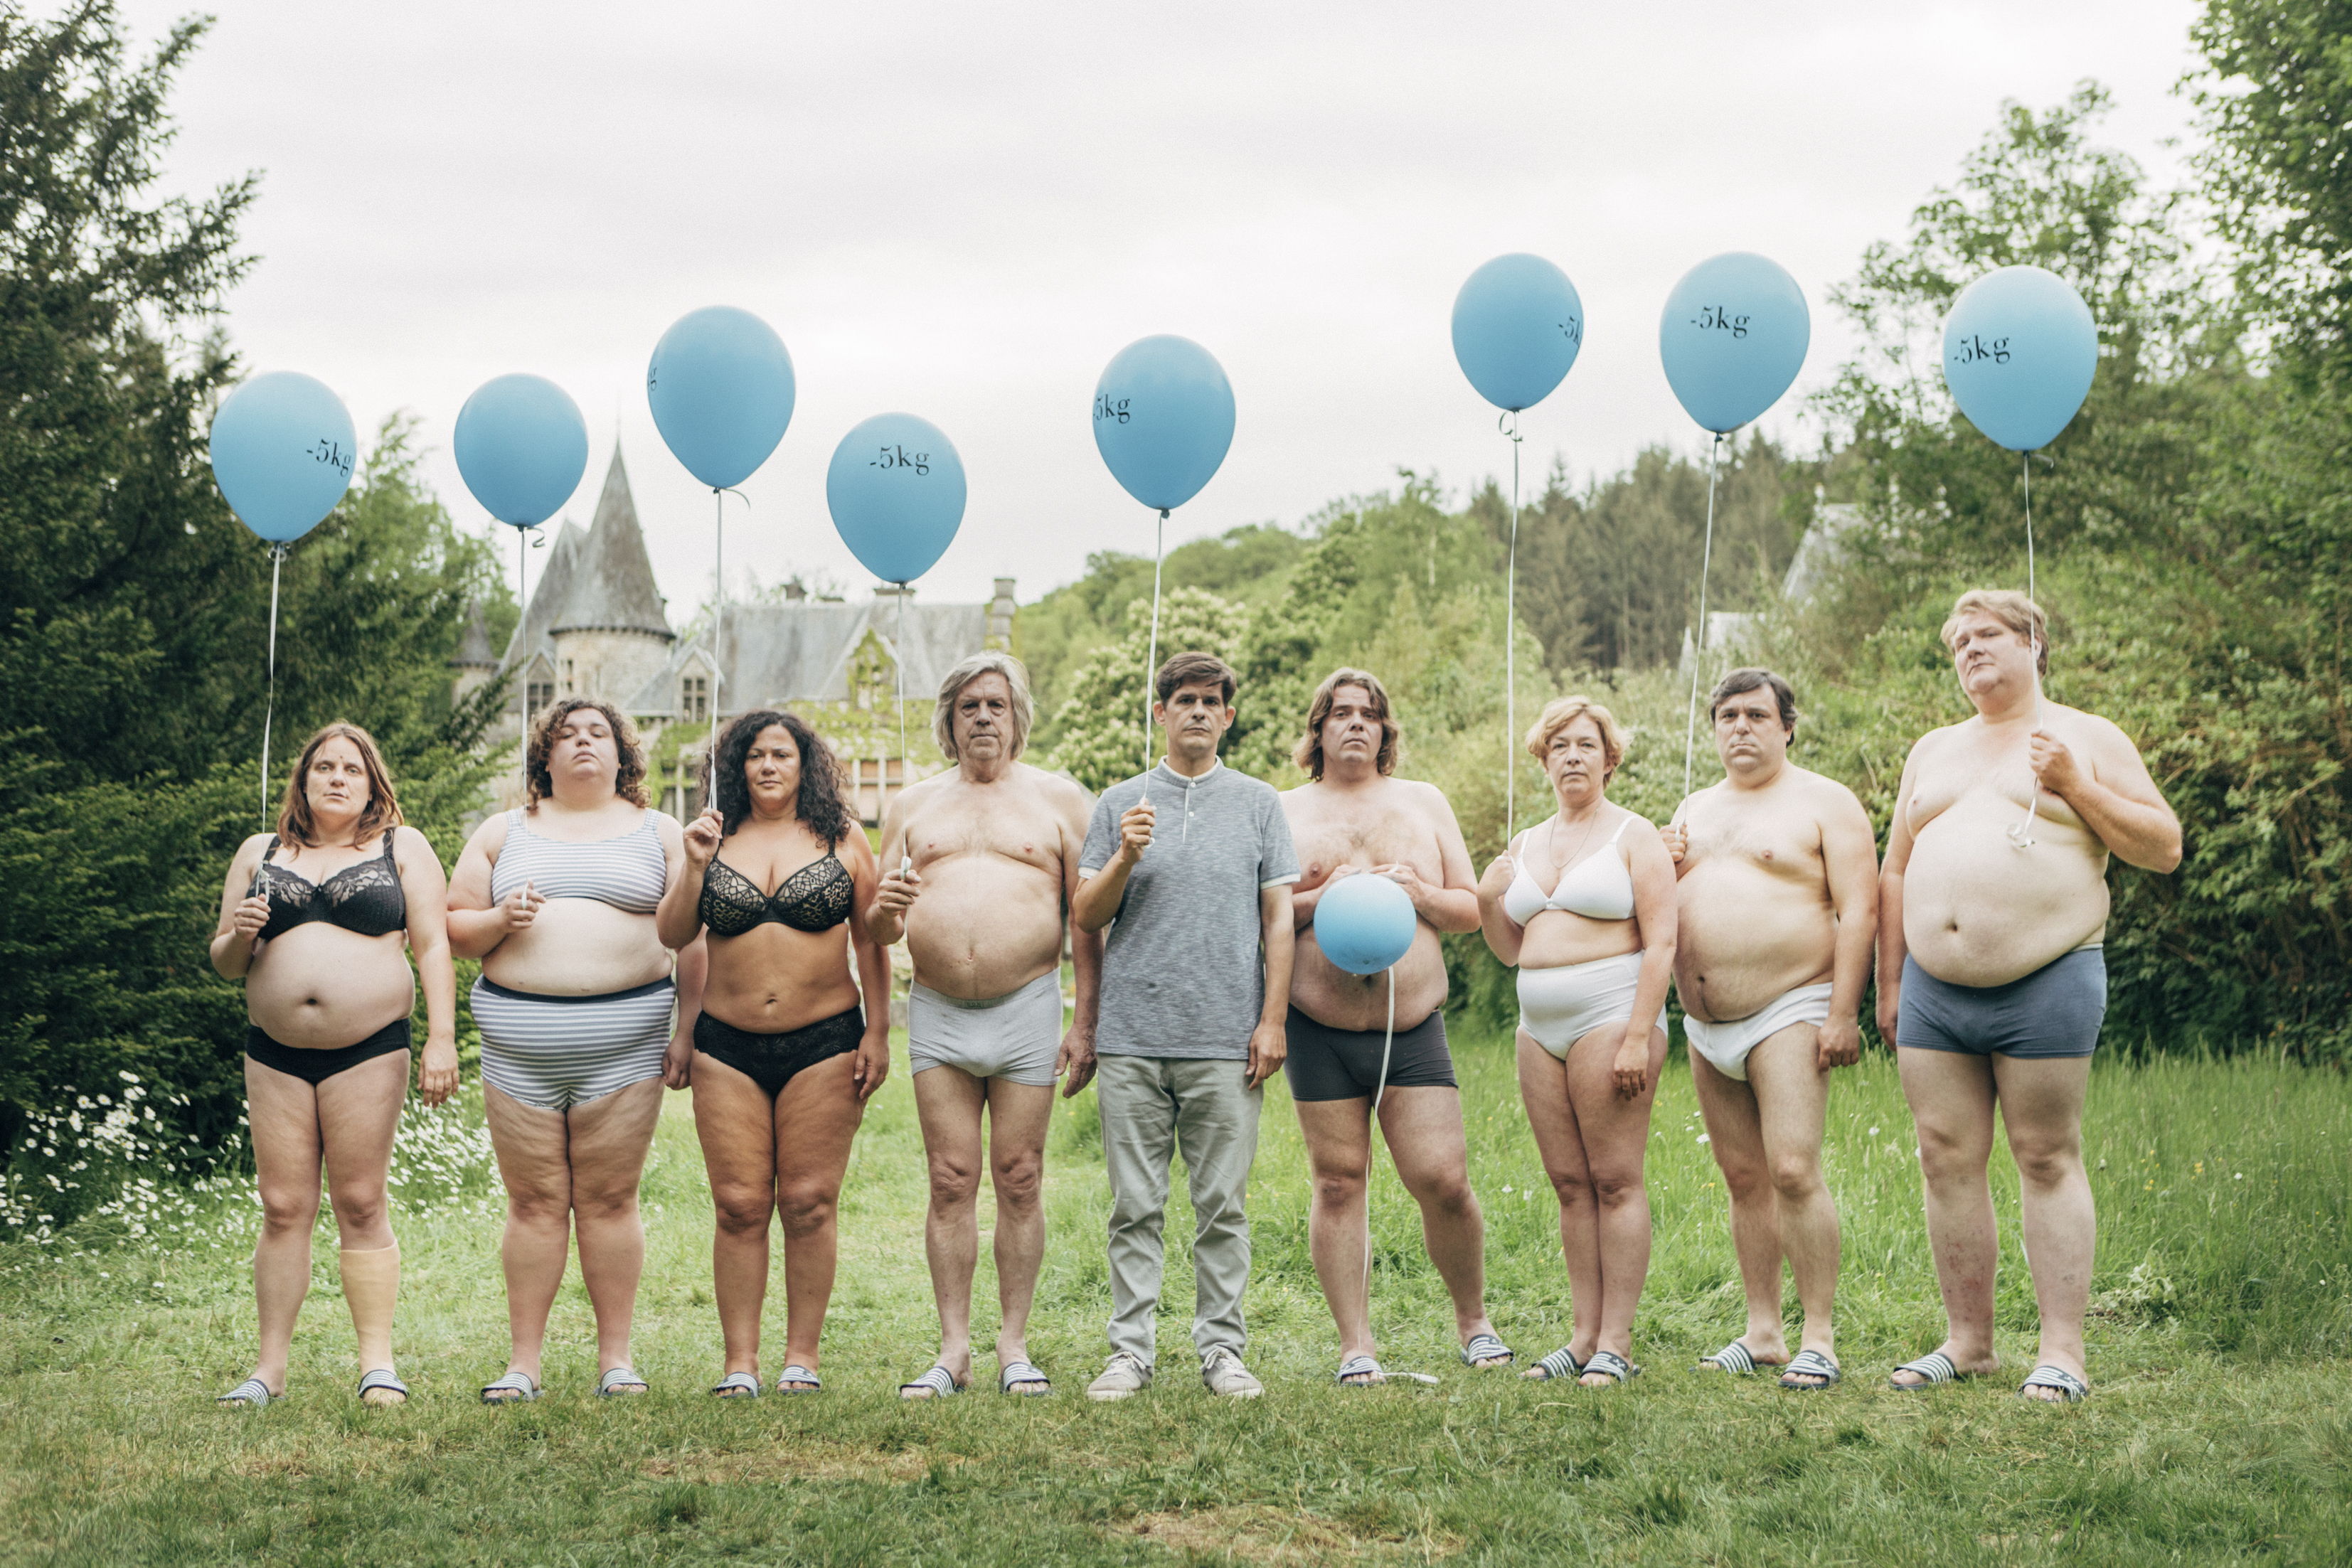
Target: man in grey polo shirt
[1190,866]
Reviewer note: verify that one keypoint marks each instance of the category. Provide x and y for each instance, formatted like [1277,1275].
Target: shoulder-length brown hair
[1308,753]
[629,783]
[379,815]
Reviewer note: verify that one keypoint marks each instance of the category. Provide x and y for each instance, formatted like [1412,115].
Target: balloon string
[270,705]
[1380,1090]
[1152,660]
[1699,644]
[718,635]
[900,664]
[2029,523]
[2021,835]
[523,656]
[1508,423]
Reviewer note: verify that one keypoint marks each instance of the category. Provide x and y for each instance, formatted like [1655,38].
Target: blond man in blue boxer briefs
[1776,896]
[979,867]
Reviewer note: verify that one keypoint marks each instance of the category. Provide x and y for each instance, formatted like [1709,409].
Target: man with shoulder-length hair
[981,864]
[1353,818]
[1190,867]
[1777,900]
[1993,913]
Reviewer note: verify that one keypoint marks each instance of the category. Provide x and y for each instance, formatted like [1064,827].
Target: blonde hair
[1561,712]
[990,661]
[2012,610]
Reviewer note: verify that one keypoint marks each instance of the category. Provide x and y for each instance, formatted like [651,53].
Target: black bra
[365,898]
[816,897]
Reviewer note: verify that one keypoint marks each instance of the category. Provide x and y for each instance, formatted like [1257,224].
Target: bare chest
[954,829]
[1363,840]
[1972,773]
[1778,839]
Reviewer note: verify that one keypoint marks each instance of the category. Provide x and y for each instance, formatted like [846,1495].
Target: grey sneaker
[1223,1373]
[1122,1376]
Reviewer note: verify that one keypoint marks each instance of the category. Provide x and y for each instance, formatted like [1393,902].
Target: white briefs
[1559,1007]
[1016,1037]
[1726,1045]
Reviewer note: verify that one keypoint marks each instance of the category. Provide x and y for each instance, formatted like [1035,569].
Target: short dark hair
[1752,679]
[1192,669]
[822,805]
[1308,753]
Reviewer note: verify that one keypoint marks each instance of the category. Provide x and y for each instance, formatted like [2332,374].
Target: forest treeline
[2193,524]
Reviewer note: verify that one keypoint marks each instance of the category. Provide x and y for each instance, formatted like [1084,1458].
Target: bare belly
[1330,996]
[321,988]
[579,948]
[1555,939]
[1745,937]
[773,978]
[1979,911]
[984,926]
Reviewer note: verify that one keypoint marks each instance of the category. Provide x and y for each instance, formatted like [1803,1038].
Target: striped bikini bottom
[555,1052]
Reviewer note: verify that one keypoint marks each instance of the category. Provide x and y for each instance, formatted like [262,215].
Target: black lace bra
[365,898]
[817,897]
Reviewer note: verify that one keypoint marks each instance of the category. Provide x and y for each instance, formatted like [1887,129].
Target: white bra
[1598,887]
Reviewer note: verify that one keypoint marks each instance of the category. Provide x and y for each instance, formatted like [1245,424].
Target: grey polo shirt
[1182,976]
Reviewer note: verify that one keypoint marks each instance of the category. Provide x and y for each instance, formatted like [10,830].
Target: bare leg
[1951,1099]
[736,1123]
[1339,1161]
[1423,1128]
[1735,1134]
[1616,1134]
[1018,1115]
[2042,1109]
[284,1113]
[610,1136]
[1792,1098]
[533,1150]
[816,1122]
[358,1112]
[1543,1090]
[948,1099]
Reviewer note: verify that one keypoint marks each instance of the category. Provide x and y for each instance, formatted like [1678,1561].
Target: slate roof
[802,651]
[611,587]
[556,567]
[474,650]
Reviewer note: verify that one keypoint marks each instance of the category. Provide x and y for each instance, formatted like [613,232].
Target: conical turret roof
[547,595]
[474,651]
[613,588]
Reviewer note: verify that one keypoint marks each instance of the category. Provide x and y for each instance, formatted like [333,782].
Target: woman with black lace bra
[783,1057]
[313,919]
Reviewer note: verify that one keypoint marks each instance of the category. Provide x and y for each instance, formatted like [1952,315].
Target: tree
[1101,724]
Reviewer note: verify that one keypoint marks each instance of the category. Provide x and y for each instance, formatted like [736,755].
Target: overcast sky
[964,210]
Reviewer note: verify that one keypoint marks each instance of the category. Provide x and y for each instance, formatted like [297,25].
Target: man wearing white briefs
[980,865]
[1777,889]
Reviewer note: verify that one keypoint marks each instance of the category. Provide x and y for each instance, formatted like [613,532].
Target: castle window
[694,698]
[540,694]
[568,685]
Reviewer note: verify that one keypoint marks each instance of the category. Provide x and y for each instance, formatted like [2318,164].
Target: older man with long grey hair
[979,866]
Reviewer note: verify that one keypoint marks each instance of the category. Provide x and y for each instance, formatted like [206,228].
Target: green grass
[2221,1429]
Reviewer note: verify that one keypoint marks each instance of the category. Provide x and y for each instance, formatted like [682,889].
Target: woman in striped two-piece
[575,1006]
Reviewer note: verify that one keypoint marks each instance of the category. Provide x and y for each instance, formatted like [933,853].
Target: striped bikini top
[627,872]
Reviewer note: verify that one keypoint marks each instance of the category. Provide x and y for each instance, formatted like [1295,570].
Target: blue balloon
[521,448]
[282,451]
[1163,419]
[2020,352]
[1364,923]
[1517,324]
[895,487]
[1733,336]
[722,388]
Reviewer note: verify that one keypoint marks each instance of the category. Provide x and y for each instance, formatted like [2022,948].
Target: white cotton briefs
[1014,1036]
[1726,1045]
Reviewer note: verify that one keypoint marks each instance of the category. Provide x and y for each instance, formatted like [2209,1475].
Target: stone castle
[597,626]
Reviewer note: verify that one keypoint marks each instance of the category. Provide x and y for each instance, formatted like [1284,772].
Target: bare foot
[1979,1366]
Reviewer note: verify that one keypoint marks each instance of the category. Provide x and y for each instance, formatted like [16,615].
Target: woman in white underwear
[1583,906]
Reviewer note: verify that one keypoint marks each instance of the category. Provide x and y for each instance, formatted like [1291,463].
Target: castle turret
[611,630]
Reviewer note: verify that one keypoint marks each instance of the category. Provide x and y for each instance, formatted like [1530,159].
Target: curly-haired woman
[312,918]
[783,1058]
[575,1005]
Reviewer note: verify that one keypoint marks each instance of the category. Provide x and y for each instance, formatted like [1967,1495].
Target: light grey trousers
[1151,1107]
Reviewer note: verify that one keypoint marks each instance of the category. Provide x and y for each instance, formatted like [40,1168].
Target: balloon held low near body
[1518,325]
[720,386]
[1364,923]
[1733,337]
[521,448]
[1163,419]
[2020,352]
[282,453]
[896,489]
